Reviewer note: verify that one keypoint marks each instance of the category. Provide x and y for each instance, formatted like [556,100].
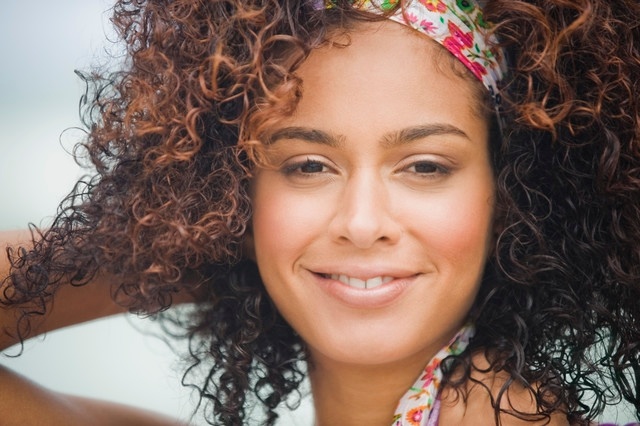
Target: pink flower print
[434,5]
[465,39]
[410,18]
[458,43]
[414,416]
[453,45]
[427,26]
[428,374]
[478,69]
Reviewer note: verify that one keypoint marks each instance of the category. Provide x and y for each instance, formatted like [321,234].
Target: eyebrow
[410,134]
[305,134]
[388,140]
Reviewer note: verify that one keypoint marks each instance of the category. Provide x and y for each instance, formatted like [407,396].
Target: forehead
[385,65]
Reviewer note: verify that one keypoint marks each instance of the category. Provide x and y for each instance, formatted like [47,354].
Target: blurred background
[41,44]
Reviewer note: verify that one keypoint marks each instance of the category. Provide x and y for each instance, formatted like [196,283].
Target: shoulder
[473,405]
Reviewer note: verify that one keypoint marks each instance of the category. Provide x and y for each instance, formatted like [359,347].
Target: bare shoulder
[476,407]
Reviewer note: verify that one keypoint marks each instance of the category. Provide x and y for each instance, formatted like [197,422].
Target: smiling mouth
[357,282]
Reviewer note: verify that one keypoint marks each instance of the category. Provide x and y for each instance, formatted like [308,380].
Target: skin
[478,410]
[382,171]
[73,304]
[23,402]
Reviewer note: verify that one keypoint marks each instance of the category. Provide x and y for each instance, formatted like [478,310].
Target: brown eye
[310,166]
[306,167]
[427,168]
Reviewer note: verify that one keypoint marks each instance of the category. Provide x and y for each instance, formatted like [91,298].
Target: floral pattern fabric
[418,407]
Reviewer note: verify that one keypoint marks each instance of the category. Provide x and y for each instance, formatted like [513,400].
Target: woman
[343,184]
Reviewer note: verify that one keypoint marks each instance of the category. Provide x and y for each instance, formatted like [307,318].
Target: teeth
[358,283]
[374,282]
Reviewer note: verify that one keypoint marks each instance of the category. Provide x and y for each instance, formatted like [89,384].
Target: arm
[23,402]
[72,305]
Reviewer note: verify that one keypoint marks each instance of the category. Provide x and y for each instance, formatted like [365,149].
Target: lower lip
[374,298]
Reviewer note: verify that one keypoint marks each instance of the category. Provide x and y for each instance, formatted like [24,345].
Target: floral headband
[458,25]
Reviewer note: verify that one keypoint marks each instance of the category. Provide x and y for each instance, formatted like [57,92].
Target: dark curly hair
[171,137]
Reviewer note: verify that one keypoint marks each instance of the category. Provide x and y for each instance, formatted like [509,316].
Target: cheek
[284,221]
[456,226]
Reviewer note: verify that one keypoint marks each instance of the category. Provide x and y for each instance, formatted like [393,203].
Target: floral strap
[415,407]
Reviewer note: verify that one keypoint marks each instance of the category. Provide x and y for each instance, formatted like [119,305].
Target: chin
[372,349]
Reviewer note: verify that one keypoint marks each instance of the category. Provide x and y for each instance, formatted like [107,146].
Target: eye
[310,166]
[306,167]
[427,168]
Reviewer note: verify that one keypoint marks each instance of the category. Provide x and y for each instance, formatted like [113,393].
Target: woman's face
[382,180]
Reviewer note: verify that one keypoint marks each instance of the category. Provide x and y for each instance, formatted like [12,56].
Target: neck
[348,394]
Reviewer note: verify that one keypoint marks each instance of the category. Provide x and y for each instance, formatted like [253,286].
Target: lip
[375,298]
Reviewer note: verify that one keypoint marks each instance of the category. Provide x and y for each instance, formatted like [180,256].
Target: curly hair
[171,137]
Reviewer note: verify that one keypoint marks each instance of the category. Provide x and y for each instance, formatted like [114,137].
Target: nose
[364,214]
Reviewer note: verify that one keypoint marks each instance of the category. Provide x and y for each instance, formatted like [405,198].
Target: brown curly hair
[171,139]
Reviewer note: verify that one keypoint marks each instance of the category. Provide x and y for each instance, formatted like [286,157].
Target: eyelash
[297,167]
[436,169]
